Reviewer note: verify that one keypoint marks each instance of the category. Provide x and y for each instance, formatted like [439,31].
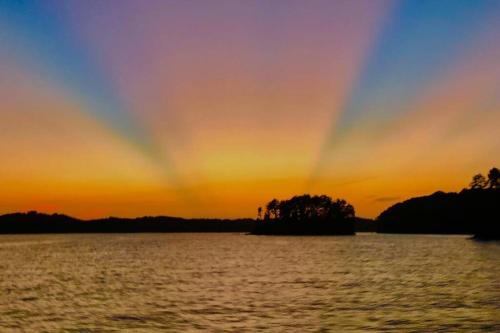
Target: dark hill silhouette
[472,211]
[33,223]
[306,215]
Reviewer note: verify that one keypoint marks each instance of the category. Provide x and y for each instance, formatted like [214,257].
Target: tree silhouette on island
[306,215]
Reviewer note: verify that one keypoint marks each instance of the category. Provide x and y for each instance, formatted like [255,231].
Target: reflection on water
[239,283]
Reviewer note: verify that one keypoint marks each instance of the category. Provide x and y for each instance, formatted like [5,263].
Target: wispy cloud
[386,199]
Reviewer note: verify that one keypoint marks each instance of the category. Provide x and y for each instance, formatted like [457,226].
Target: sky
[201,108]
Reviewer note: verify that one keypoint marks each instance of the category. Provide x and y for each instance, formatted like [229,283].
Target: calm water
[239,283]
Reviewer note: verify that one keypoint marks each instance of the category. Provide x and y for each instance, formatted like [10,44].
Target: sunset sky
[212,108]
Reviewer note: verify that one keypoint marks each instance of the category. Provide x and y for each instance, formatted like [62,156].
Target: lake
[241,283]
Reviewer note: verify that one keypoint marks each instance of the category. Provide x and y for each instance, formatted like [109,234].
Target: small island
[306,215]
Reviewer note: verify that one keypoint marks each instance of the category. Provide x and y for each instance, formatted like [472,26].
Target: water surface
[240,283]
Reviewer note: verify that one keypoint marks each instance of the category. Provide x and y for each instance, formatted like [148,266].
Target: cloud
[386,199]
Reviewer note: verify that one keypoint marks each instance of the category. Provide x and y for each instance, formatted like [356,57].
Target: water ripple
[238,283]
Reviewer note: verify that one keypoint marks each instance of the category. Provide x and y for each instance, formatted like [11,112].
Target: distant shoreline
[469,212]
[40,223]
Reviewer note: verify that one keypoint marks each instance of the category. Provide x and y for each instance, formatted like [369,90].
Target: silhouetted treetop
[478,182]
[494,178]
